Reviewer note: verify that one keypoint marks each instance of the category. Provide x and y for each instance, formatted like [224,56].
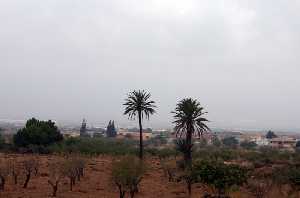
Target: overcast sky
[69,59]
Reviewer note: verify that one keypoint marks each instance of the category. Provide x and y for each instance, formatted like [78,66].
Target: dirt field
[97,184]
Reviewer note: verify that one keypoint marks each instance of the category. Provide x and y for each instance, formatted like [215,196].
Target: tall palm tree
[189,121]
[138,104]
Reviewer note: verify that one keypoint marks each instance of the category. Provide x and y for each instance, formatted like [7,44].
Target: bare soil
[97,182]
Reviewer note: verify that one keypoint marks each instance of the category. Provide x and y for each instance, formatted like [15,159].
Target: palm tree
[189,120]
[138,104]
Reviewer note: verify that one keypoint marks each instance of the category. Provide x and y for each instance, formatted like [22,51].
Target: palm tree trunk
[141,136]
[188,154]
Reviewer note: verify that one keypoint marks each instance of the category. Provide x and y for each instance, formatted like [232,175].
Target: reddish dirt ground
[97,183]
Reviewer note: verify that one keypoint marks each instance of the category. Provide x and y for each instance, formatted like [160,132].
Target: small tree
[231,142]
[14,170]
[41,133]
[248,145]
[169,167]
[215,141]
[4,172]
[70,172]
[56,170]
[30,166]
[219,176]
[127,175]
[73,168]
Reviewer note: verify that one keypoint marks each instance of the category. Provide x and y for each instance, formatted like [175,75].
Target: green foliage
[2,141]
[37,133]
[216,142]
[156,141]
[248,145]
[189,118]
[94,146]
[294,177]
[219,175]
[230,142]
[127,174]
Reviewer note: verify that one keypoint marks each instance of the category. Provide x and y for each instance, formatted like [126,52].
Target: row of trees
[71,168]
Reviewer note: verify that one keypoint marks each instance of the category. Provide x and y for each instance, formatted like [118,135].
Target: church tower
[83,132]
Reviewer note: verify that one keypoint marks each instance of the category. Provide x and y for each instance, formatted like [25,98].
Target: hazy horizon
[67,60]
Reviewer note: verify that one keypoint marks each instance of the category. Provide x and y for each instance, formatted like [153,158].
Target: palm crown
[138,102]
[188,117]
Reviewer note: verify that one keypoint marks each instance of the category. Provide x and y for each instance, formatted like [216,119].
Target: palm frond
[189,118]
[138,102]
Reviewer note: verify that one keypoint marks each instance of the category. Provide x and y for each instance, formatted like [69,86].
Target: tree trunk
[16,179]
[27,180]
[71,184]
[122,192]
[189,185]
[2,183]
[188,154]
[54,187]
[141,136]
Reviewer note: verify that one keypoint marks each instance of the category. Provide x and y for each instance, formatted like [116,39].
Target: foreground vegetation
[220,169]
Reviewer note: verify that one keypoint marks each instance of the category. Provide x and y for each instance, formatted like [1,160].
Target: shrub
[127,175]
[37,133]
[4,172]
[219,176]
[231,142]
[248,145]
[94,146]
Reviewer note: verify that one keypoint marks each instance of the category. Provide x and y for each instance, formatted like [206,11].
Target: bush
[230,142]
[37,133]
[219,176]
[248,145]
[127,175]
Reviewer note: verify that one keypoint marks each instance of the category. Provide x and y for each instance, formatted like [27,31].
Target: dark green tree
[37,132]
[215,141]
[111,129]
[230,142]
[248,145]
[271,135]
[189,121]
[2,140]
[138,104]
